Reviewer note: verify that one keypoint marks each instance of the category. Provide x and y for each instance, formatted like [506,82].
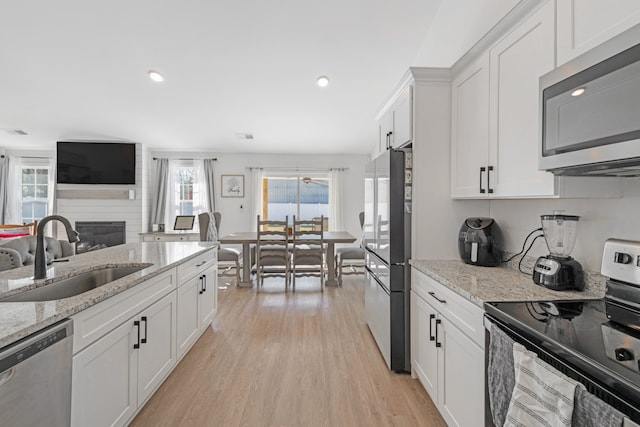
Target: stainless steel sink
[75,285]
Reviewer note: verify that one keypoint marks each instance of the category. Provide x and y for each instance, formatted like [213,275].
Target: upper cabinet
[395,123]
[495,119]
[516,63]
[470,131]
[584,24]
[495,115]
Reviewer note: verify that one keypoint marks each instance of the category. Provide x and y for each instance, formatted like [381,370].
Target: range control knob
[622,355]
[621,258]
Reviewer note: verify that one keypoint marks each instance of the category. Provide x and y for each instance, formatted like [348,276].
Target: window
[187,191]
[303,196]
[35,193]
[185,183]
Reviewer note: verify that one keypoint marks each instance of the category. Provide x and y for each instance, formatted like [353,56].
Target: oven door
[544,349]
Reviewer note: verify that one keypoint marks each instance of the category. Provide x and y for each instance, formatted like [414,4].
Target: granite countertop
[496,284]
[19,319]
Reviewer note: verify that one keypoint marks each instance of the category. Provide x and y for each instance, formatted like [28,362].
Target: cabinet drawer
[463,313]
[96,321]
[197,265]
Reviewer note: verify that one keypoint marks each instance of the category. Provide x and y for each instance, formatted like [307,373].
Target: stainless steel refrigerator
[387,240]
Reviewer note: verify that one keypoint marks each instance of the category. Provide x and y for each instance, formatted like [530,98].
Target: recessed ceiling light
[322,81]
[579,91]
[155,76]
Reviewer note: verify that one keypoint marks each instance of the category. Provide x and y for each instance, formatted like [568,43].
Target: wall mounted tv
[96,163]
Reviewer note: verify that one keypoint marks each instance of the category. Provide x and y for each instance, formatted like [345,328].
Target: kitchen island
[19,319]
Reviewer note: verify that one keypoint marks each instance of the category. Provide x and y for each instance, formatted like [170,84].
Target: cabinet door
[517,62]
[423,348]
[188,320]
[208,299]
[157,352]
[402,119]
[462,367]
[104,380]
[470,130]
[584,24]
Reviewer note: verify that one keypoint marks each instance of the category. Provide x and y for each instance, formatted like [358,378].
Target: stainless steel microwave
[590,112]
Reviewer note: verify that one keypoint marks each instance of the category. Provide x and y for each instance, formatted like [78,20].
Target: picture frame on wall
[232,186]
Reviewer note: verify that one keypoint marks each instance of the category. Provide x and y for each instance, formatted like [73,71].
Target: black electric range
[595,341]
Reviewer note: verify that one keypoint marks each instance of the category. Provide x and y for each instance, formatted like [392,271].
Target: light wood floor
[285,359]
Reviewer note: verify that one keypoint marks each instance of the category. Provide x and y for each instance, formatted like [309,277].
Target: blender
[558,271]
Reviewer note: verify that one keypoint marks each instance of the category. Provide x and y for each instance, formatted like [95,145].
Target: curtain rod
[287,169]
[173,158]
[2,156]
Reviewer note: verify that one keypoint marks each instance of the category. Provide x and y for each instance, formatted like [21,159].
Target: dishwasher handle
[34,344]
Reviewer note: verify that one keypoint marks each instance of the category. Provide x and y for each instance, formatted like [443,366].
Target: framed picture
[232,185]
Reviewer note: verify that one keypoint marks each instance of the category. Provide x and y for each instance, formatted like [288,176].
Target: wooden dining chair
[272,251]
[308,249]
[351,259]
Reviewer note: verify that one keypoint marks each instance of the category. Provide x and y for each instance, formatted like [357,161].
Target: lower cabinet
[448,362]
[125,346]
[197,304]
[118,372]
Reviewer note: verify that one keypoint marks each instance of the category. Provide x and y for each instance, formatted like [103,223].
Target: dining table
[248,238]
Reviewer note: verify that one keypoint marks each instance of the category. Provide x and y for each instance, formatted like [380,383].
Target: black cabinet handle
[144,340]
[482,169]
[431,337]
[204,283]
[441,301]
[389,140]
[489,189]
[438,343]
[137,324]
[201,291]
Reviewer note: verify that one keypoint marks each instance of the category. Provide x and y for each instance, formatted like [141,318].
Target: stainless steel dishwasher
[35,378]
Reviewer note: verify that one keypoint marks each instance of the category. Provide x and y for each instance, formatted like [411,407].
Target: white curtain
[256,188]
[13,210]
[52,205]
[158,208]
[4,187]
[209,177]
[335,200]
[171,207]
[200,199]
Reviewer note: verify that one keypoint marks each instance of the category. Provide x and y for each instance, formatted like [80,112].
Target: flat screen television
[96,163]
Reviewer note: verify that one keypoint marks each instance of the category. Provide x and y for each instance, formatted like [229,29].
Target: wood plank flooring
[288,359]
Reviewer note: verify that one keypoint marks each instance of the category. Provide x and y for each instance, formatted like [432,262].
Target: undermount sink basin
[75,285]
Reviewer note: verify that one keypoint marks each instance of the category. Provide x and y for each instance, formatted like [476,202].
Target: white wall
[600,220]
[237,213]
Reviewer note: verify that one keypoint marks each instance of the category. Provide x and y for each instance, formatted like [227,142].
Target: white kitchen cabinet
[470,130]
[197,300]
[495,110]
[584,24]
[157,350]
[395,122]
[447,350]
[102,392]
[516,63]
[116,374]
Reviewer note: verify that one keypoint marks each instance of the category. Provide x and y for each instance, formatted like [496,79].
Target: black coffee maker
[480,242]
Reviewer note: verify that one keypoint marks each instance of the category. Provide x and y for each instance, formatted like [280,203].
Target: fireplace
[99,234]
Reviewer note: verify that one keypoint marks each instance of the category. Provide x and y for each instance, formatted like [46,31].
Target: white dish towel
[542,395]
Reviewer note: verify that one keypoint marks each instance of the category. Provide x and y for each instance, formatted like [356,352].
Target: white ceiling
[77,69]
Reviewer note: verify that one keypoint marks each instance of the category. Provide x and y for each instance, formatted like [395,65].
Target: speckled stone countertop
[495,284]
[19,319]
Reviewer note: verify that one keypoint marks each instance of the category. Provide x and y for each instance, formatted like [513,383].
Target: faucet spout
[40,262]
